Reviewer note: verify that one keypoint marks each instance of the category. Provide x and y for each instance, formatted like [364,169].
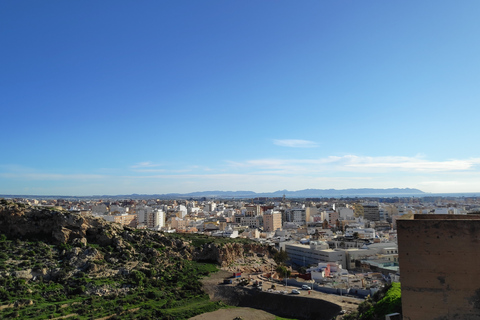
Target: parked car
[305,287]
[295,291]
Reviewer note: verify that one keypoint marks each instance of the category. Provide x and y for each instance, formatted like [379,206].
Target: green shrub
[390,302]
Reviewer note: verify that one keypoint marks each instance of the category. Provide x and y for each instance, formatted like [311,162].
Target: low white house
[229,233]
[363,233]
[327,269]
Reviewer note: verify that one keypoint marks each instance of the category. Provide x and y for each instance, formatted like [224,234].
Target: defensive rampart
[439,257]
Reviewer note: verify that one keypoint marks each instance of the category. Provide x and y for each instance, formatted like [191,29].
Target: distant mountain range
[306,193]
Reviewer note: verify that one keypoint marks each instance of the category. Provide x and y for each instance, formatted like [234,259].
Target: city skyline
[155,98]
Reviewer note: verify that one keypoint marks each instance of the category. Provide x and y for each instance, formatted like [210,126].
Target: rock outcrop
[51,254]
[62,227]
[56,226]
[230,253]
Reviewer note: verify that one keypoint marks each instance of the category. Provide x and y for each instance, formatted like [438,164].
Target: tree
[302,270]
[280,257]
[358,210]
[283,271]
[138,277]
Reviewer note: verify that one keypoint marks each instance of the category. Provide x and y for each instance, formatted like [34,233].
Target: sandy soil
[231,313]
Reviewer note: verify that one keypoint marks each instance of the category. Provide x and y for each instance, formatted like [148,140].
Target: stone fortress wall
[439,259]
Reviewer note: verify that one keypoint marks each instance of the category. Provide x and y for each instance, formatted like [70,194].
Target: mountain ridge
[304,193]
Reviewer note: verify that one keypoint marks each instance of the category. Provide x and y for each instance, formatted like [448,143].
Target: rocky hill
[55,263]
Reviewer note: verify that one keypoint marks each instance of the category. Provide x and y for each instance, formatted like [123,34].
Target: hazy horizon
[116,97]
[244,194]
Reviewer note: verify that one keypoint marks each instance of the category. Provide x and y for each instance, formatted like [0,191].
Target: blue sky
[120,97]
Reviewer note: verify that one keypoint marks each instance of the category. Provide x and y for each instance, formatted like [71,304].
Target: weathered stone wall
[439,257]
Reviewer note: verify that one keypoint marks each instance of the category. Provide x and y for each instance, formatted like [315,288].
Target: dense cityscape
[311,231]
[342,128]
[339,247]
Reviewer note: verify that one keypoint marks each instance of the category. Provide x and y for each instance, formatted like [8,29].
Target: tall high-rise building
[272,220]
[156,219]
[371,211]
[252,210]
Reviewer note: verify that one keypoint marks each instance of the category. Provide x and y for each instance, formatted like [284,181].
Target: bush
[138,277]
[390,302]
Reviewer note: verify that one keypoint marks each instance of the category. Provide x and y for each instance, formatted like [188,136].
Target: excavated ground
[232,313]
[315,305]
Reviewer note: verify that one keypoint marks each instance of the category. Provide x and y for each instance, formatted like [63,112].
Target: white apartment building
[150,218]
[210,207]
[181,208]
[346,213]
[156,220]
[316,252]
[363,233]
[299,216]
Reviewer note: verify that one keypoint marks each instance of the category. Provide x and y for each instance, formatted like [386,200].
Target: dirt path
[231,313]
[209,283]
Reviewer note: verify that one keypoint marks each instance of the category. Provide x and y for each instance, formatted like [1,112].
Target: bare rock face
[24,274]
[84,259]
[226,254]
[55,226]
[62,235]
[80,242]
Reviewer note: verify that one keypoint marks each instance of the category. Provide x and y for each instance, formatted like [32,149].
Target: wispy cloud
[353,163]
[293,143]
[146,164]
[267,174]
[415,164]
[149,167]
